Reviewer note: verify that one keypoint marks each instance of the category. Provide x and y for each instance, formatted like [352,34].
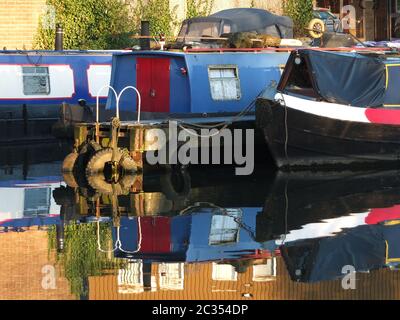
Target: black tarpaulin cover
[323,259]
[348,78]
[251,19]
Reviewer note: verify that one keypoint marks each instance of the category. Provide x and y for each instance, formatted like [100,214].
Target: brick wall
[22,256]
[18,22]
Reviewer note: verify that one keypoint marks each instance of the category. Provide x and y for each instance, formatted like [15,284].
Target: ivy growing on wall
[81,258]
[87,24]
[301,11]
[198,8]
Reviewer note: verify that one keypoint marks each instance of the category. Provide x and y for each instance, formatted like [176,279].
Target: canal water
[202,234]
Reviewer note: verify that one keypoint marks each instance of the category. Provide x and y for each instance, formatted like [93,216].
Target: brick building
[18,22]
[210,281]
[23,256]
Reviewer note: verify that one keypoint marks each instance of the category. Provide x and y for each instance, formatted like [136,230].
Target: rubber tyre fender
[319,32]
[98,182]
[98,161]
[69,163]
[168,183]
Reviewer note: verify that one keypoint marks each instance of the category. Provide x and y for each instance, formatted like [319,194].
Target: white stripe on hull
[323,109]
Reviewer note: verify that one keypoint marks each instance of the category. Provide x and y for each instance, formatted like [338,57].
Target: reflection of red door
[153,83]
[156,234]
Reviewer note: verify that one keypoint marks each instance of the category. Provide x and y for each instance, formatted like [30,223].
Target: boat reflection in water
[270,236]
[332,223]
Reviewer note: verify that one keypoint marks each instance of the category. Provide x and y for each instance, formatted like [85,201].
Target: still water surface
[205,234]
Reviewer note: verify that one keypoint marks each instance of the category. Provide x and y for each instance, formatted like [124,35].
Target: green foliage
[162,19]
[81,257]
[301,11]
[88,24]
[198,8]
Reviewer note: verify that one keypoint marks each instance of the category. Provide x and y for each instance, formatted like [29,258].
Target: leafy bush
[81,258]
[198,8]
[88,24]
[162,18]
[301,11]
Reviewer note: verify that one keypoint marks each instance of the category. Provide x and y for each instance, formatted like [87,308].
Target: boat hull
[299,139]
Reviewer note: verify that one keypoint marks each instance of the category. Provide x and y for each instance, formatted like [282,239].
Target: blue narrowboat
[34,85]
[178,84]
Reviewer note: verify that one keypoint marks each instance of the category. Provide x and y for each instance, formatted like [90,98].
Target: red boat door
[155,234]
[153,83]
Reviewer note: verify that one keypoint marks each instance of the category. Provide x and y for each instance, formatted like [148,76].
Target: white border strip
[324,109]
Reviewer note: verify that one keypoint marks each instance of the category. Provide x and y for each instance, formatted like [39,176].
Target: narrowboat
[334,109]
[34,84]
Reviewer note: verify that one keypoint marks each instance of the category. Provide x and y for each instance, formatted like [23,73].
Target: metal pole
[59,38]
[145,31]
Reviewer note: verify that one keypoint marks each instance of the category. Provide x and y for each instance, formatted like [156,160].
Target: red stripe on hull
[383,116]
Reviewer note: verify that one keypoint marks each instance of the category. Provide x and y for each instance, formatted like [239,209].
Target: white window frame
[171,276]
[223,272]
[226,228]
[221,80]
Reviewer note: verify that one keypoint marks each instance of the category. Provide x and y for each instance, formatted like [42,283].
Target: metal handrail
[117,99]
[139,100]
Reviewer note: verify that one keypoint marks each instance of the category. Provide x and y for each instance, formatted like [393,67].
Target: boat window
[227,28]
[198,30]
[223,272]
[299,81]
[183,31]
[224,83]
[272,31]
[224,228]
[36,80]
[37,201]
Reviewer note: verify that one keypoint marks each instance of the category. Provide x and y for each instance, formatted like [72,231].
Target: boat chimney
[59,38]
[145,33]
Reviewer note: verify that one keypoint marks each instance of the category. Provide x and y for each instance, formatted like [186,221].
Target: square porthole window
[224,83]
[36,80]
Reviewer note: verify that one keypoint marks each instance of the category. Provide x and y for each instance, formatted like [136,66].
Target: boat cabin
[364,79]
[193,83]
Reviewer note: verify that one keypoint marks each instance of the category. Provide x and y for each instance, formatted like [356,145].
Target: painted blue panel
[256,70]
[128,234]
[123,74]
[180,233]
[199,248]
